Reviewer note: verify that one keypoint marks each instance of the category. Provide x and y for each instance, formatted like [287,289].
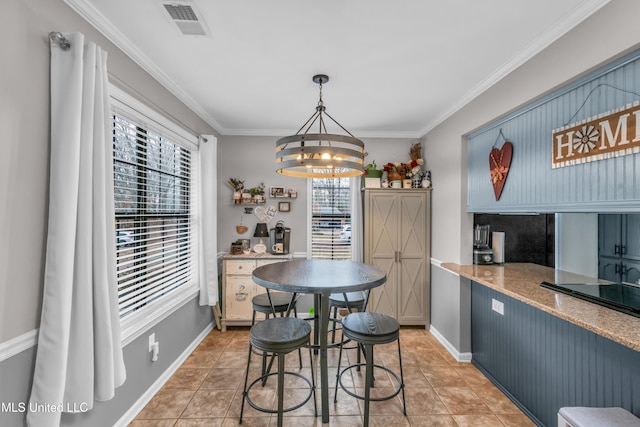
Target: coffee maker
[280,237]
[482,253]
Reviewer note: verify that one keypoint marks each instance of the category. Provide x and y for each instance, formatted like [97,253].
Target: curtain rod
[57,37]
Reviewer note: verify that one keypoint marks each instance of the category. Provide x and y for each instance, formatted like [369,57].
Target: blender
[482,252]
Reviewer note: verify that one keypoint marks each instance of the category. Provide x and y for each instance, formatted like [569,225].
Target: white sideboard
[238,287]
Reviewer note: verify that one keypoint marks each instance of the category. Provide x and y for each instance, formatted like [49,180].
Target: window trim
[310,219]
[136,324]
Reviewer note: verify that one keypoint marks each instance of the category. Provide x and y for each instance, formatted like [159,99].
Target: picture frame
[284,206]
[276,191]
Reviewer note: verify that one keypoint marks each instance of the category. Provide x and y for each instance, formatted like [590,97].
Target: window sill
[134,325]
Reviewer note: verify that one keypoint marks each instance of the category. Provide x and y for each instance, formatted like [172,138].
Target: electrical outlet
[497,306]
[152,341]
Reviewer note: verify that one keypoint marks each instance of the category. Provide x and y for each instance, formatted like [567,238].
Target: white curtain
[207,155]
[357,234]
[79,353]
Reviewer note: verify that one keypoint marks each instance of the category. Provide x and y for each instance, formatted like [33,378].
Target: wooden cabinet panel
[240,291]
[397,239]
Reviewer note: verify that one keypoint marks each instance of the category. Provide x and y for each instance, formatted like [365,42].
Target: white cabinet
[238,287]
[397,239]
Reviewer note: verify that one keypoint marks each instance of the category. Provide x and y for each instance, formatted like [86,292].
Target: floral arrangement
[407,170]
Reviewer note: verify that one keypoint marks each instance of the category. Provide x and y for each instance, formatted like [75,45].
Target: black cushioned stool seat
[279,335]
[283,303]
[370,329]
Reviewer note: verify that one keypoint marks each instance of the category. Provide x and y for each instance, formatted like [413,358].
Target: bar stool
[280,336]
[283,303]
[368,330]
[351,301]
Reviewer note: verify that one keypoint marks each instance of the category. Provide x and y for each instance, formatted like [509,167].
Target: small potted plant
[237,186]
[257,193]
[372,171]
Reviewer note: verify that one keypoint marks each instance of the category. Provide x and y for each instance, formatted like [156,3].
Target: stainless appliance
[623,297]
[482,253]
[280,236]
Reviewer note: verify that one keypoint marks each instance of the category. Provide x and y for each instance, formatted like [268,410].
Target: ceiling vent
[186,17]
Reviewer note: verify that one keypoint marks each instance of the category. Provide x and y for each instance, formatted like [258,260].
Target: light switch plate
[497,306]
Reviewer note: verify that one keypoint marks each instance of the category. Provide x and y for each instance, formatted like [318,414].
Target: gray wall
[174,335]
[451,309]
[24,170]
[252,159]
[608,34]
[24,164]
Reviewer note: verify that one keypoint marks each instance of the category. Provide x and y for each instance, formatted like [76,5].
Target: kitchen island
[546,349]
[521,281]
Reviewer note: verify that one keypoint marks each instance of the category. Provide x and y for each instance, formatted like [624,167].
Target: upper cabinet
[606,182]
[619,247]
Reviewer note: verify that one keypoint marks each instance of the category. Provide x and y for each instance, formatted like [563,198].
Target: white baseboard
[139,405]
[18,344]
[460,357]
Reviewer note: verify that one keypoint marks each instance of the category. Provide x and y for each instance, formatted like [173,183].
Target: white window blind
[331,218]
[153,199]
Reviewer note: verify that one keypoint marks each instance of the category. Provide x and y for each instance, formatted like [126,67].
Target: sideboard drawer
[240,267]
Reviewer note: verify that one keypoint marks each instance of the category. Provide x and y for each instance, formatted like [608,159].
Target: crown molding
[562,27]
[89,13]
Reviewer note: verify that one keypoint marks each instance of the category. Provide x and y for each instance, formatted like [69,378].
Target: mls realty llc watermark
[21,407]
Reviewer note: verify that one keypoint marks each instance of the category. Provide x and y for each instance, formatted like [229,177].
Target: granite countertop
[522,282]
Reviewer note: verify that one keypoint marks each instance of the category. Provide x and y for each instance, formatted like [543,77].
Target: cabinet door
[239,292]
[381,236]
[631,271]
[609,268]
[384,299]
[412,239]
[609,234]
[631,244]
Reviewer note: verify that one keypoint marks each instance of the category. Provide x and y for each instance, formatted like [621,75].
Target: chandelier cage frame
[322,154]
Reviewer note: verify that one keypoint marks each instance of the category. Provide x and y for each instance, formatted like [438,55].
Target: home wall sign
[611,134]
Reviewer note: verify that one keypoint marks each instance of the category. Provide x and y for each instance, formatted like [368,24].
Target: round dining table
[321,278]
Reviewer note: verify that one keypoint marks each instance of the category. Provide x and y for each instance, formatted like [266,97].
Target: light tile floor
[207,389]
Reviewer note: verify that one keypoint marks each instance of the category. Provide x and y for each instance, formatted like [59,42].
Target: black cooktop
[617,296]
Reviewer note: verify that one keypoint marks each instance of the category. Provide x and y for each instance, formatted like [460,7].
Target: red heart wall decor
[499,163]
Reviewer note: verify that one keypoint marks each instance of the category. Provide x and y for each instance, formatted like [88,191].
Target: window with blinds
[331,218]
[152,189]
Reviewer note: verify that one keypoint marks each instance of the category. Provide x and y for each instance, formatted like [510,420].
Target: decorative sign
[499,163]
[265,214]
[608,135]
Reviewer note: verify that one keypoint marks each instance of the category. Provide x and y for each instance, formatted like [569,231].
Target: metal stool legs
[279,336]
[369,329]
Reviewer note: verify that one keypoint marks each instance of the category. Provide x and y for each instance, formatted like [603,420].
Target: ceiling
[396,68]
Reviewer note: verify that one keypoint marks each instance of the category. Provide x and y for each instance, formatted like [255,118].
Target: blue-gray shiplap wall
[544,363]
[611,185]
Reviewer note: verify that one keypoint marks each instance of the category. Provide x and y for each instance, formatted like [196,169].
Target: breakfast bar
[546,349]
